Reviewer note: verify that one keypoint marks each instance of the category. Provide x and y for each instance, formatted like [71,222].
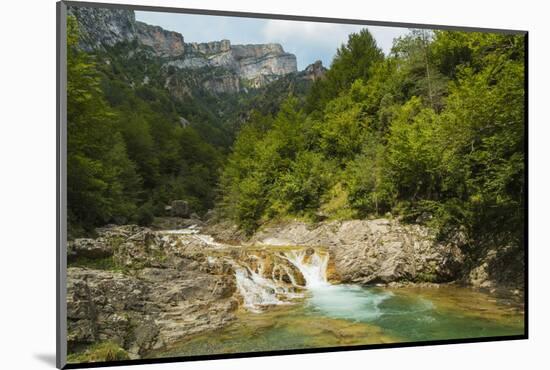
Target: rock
[424,217]
[170,290]
[315,71]
[210,214]
[99,304]
[164,43]
[89,248]
[150,309]
[100,27]
[143,248]
[179,208]
[498,269]
[257,64]
[373,251]
[174,223]
[227,83]
[183,123]
[225,231]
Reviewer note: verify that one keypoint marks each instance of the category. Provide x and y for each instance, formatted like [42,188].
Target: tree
[420,77]
[352,61]
[102,183]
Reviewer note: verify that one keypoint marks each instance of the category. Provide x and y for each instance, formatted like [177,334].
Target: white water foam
[193,229]
[193,232]
[348,301]
[314,270]
[257,291]
[344,301]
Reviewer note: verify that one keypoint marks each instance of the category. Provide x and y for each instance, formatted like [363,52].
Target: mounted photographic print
[238,184]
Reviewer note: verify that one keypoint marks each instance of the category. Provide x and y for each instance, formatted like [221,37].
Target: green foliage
[413,152]
[265,149]
[102,182]
[127,154]
[104,351]
[352,61]
[434,133]
[368,188]
[299,190]
[343,126]
[106,263]
[146,214]
[418,75]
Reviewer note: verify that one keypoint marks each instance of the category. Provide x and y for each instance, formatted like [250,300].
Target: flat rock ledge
[148,291]
[373,251]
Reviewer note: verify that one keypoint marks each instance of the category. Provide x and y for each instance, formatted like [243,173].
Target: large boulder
[143,248]
[373,251]
[89,248]
[498,269]
[104,305]
[166,290]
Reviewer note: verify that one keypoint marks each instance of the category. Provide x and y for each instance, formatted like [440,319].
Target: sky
[309,41]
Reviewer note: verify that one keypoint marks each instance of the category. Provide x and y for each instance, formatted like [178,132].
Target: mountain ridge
[256,64]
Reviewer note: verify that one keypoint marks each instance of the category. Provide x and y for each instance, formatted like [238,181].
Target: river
[288,302]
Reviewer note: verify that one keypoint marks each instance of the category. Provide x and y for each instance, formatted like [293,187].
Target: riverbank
[143,291]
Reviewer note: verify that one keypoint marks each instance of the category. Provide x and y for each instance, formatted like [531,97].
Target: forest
[432,133]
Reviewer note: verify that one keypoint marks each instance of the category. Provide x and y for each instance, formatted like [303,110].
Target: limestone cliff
[165,43]
[100,27]
[257,65]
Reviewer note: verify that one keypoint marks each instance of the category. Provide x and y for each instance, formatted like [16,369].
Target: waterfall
[256,290]
[260,286]
[312,265]
[339,301]
[272,274]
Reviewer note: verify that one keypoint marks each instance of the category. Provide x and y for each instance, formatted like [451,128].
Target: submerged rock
[167,285]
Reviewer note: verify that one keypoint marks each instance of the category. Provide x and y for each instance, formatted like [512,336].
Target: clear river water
[330,315]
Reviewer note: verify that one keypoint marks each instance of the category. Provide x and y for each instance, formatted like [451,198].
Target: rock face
[498,270]
[375,251]
[267,59]
[99,27]
[89,248]
[165,43]
[163,286]
[258,64]
[166,290]
[247,61]
[315,71]
[223,84]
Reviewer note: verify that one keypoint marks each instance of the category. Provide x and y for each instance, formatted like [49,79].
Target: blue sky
[309,41]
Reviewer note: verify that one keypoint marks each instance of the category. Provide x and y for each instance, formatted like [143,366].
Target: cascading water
[312,264]
[339,301]
[274,275]
[324,314]
[260,286]
[257,291]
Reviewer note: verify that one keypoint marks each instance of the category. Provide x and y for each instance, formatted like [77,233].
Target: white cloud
[313,31]
[314,40]
[309,41]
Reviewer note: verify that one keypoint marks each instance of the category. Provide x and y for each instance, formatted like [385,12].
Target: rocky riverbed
[144,289]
